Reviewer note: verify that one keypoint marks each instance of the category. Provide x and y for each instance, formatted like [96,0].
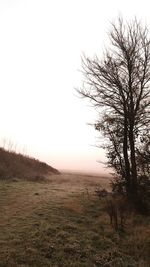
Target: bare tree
[119,86]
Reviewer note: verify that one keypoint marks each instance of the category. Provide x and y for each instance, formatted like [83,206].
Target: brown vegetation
[58,224]
[118,209]
[16,166]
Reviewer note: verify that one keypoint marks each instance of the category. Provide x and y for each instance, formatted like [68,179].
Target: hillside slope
[13,165]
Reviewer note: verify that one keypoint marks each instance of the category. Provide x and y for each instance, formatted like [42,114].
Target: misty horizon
[41,47]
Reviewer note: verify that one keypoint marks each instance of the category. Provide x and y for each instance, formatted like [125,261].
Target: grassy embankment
[17,166]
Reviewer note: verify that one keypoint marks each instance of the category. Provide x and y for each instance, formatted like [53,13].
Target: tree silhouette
[118,85]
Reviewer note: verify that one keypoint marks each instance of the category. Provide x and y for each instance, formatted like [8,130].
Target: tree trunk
[133,163]
[126,158]
[131,121]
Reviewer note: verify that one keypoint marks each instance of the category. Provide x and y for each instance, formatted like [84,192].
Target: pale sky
[41,43]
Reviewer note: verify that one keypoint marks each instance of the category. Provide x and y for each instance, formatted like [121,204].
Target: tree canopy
[118,85]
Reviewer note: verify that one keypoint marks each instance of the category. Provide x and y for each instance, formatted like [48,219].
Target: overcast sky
[41,43]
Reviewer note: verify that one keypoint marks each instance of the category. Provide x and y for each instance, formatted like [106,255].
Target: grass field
[61,223]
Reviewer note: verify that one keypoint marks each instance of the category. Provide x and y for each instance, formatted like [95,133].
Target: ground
[61,223]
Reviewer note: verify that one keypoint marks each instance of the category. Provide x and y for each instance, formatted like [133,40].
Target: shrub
[117,208]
